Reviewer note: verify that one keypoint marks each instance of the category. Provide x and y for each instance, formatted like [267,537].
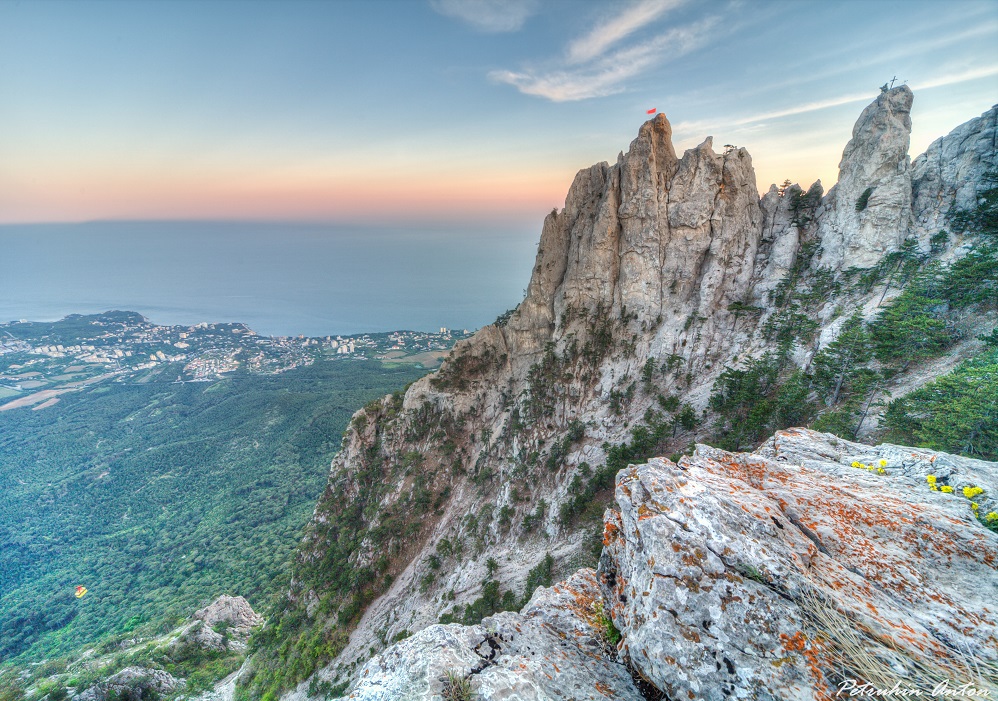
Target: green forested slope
[159,497]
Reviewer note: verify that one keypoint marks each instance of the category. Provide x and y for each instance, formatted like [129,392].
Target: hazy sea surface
[280,279]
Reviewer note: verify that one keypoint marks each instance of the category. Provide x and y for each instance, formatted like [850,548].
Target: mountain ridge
[666,297]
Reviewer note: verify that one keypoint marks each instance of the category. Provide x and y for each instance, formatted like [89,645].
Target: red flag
[651,111]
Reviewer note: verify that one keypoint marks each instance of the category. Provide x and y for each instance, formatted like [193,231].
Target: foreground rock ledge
[776,574]
[555,648]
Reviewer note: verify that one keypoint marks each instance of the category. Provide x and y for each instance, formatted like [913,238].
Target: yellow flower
[946,488]
[931,479]
[992,516]
[971,492]
[881,471]
[856,464]
[935,488]
[883,463]
[974,506]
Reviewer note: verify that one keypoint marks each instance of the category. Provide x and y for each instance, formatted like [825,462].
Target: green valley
[159,495]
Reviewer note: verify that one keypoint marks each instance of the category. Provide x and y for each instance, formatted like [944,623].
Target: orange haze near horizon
[373,198]
[435,194]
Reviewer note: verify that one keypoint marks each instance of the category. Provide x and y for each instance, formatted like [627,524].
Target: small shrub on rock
[457,687]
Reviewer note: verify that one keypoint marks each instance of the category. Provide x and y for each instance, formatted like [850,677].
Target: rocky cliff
[805,568]
[668,303]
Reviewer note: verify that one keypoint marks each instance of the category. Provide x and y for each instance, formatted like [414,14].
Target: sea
[281,279]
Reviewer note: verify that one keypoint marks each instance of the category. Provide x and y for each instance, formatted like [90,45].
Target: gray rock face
[666,237]
[672,241]
[767,575]
[778,242]
[222,626]
[555,648]
[652,234]
[875,159]
[951,172]
[232,611]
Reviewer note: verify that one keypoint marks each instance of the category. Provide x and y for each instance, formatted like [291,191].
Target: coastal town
[39,361]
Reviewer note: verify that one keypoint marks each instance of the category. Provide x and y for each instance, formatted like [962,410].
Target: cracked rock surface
[952,171]
[555,648]
[723,572]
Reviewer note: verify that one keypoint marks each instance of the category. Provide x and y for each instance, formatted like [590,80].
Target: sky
[392,111]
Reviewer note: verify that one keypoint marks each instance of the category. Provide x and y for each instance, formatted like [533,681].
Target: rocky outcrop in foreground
[557,647]
[780,573]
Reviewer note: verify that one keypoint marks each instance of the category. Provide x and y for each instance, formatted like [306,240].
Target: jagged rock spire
[868,211]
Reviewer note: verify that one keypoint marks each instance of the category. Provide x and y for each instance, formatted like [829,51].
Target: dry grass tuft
[850,650]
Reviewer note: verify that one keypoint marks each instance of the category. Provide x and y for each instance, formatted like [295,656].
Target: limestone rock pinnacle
[869,211]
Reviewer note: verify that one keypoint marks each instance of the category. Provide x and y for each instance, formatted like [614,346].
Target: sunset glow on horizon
[424,112]
[329,197]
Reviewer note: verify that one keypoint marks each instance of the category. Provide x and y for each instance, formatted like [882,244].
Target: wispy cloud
[961,77]
[846,59]
[698,127]
[609,32]
[488,15]
[605,72]
[706,126]
[806,107]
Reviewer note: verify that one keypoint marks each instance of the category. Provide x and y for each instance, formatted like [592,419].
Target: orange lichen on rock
[747,536]
[794,643]
[610,532]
